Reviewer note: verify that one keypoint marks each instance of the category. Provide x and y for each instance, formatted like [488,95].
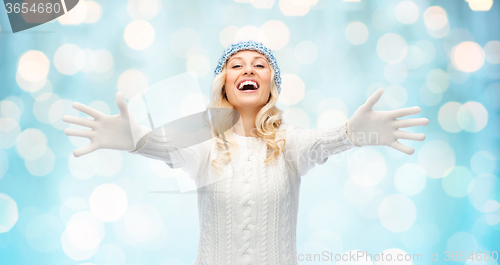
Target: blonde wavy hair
[267,122]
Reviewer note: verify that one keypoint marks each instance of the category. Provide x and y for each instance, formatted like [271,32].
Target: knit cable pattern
[246,229]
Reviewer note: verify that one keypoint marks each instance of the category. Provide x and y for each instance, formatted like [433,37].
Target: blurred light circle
[9,131]
[456,183]
[85,231]
[428,96]
[383,18]
[395,73]
[407,12]
[482,189]
[110,162]
[108,202]
[329,239]
[199,64]
[355,194]
[43,165]
[4,163]
[370,209]
[262,4]
[410,179]
[292,89]
[73,252]
[414,58]
[312,99]
[288,62]
[456,76]
[448,117]
[139,34]
[227,35]
[467,56]
[69,59]
[438,77]
[57,110]
[356,33]
[94,12]
[428,49]
[492,51]
[33,66]
[182,40]
[141,223]
[395,96]
[42,105]
[90,60]
[330,117]
[480,5]
[472,116]
[132,82]
[395,256]
[104,60]
[366,167]
[435,18]
[306,52]
[462,240]
[331,104]
[250,33]
[492,94]
[483,162]
[84,167]
[143,9]
[277,34]
[75,16]
[44,233]
[29,143]
[292,8]
[8,213]
[110,254]
[327,215]
[391,48]
[9,109]
[439,33]
[70,207]
[297,117]
[397,213]
[37,88]
[436,158]
[413,238]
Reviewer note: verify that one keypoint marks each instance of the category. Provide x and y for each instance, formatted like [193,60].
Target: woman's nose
[248,70]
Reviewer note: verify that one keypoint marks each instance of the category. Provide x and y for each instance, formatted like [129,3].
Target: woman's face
[248,80]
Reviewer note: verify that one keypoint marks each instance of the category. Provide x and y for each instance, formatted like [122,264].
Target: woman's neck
[246,125]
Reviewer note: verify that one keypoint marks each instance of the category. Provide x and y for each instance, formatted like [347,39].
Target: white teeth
[247,83]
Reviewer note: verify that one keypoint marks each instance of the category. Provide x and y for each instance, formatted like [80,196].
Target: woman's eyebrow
[256,57]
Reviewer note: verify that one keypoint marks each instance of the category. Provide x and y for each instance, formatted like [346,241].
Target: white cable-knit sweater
[249,216]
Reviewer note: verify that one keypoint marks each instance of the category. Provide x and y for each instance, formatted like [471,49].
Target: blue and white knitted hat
[252,46]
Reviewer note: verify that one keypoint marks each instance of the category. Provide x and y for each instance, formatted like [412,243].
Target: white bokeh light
[407,12]
[480,5]
[9,109]
[250,33]
[262,4]
[143,9]
[438,77]
[227,35]
[141,223]
[428,49]
[297,117]
[356,33]
[33,66]
[414,58]
[483,162]
[31,144]
[94,12]
[472,116]
[294,8]
[139,34]
[392,48]
[182,40]
[447,117]
[467,56]
[457,182]
[110,162]
[277,34]
[410,179]
[366,167]
[397,213]
[108,202]
[132,82]
[8,213]
[57,110]
[435,18]
[436,158]
[9,131]
[75,16]
[357,195]
[69,59]
[481,191]
[199,64]
[43,165]
[395,96]
[492,52]
[292,89]
[85,231]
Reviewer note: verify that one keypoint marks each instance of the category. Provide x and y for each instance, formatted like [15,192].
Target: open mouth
[248,85]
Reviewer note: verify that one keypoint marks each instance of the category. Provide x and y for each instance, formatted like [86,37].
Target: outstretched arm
[370,127]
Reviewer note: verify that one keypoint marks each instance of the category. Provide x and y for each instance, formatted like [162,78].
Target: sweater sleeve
[307,147]
[172,147]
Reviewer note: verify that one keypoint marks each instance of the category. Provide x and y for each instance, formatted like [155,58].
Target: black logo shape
[31,13]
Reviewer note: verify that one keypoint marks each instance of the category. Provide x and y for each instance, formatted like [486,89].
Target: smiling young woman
[249,215]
